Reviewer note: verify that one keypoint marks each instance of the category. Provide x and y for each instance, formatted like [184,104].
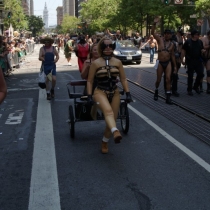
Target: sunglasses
[108,45]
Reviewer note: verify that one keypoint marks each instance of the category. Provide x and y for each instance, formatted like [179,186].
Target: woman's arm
[56,55]
[41,56]
[85,69]
[3,87]
[123,78]
[91,76]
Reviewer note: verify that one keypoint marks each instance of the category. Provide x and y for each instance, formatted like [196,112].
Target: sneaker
[69,64]
[190,93]
[52,93]
[48,96]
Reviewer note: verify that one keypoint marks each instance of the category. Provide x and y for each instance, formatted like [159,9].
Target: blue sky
[51,6]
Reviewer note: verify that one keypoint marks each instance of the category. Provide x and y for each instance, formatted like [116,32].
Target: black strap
[108,67]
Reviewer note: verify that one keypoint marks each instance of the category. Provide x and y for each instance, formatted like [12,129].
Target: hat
[167,31]
[193,32]
[47,39]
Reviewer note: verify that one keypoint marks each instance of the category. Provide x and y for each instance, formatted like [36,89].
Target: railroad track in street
[188,112]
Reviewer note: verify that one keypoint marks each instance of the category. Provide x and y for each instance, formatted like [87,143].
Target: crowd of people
[100,68]
[11,47]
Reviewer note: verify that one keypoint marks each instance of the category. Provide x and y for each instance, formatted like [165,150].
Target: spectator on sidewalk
[49,56]
[3,87]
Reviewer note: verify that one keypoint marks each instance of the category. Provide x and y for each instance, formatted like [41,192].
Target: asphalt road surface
[157,166]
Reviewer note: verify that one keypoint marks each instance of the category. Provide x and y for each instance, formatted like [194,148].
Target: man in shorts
[68,50]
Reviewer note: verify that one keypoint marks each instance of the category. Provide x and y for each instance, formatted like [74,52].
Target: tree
[17,16]
[98,13]
[35,24]
[69,24]
[203,7]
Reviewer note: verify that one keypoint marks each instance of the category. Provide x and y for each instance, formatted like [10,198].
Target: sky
[51,7]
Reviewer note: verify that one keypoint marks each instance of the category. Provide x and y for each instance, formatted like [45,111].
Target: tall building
[69,7]
[26,6]
[45,16]
[31,7]
[59,15]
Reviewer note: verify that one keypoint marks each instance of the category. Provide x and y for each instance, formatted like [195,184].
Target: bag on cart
[83,111]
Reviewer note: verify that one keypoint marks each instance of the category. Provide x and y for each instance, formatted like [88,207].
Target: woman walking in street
[49,56]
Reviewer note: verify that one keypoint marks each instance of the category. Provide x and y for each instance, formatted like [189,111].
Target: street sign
[178,1]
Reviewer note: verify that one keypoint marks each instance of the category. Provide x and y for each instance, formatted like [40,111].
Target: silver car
[126,51]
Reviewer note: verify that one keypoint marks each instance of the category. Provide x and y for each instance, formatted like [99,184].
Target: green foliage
[17,16]
[98,13]
[138,14]
[203,7]
[35,24]
[69,24]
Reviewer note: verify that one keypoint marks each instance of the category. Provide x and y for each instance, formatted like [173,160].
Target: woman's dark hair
[82,40]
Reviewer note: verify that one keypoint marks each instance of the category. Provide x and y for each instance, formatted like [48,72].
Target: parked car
[126,51]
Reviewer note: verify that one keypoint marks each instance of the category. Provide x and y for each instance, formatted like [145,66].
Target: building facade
[31,7]
[69,7]
[45,16]
[26,6]
[59,15]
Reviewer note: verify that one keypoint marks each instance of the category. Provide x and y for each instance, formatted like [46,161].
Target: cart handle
[77,83]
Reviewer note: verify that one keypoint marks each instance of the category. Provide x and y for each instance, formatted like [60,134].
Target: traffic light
[9,14]
[166,1]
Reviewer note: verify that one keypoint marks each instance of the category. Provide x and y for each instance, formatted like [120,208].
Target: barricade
[18,57]
[15,59]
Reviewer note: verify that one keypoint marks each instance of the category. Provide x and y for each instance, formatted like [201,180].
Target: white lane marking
[14,118]
[188,152]
[20,89]
[44,190]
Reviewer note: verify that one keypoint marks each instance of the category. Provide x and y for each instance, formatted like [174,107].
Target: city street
[159,165]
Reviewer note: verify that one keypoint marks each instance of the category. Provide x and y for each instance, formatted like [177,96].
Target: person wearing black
[137,40]
[192,51]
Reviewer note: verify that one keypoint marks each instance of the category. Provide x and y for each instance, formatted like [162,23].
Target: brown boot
[117,137]
[104,147]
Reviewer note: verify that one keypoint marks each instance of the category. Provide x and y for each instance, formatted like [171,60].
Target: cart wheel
[124,117]
[71,123]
